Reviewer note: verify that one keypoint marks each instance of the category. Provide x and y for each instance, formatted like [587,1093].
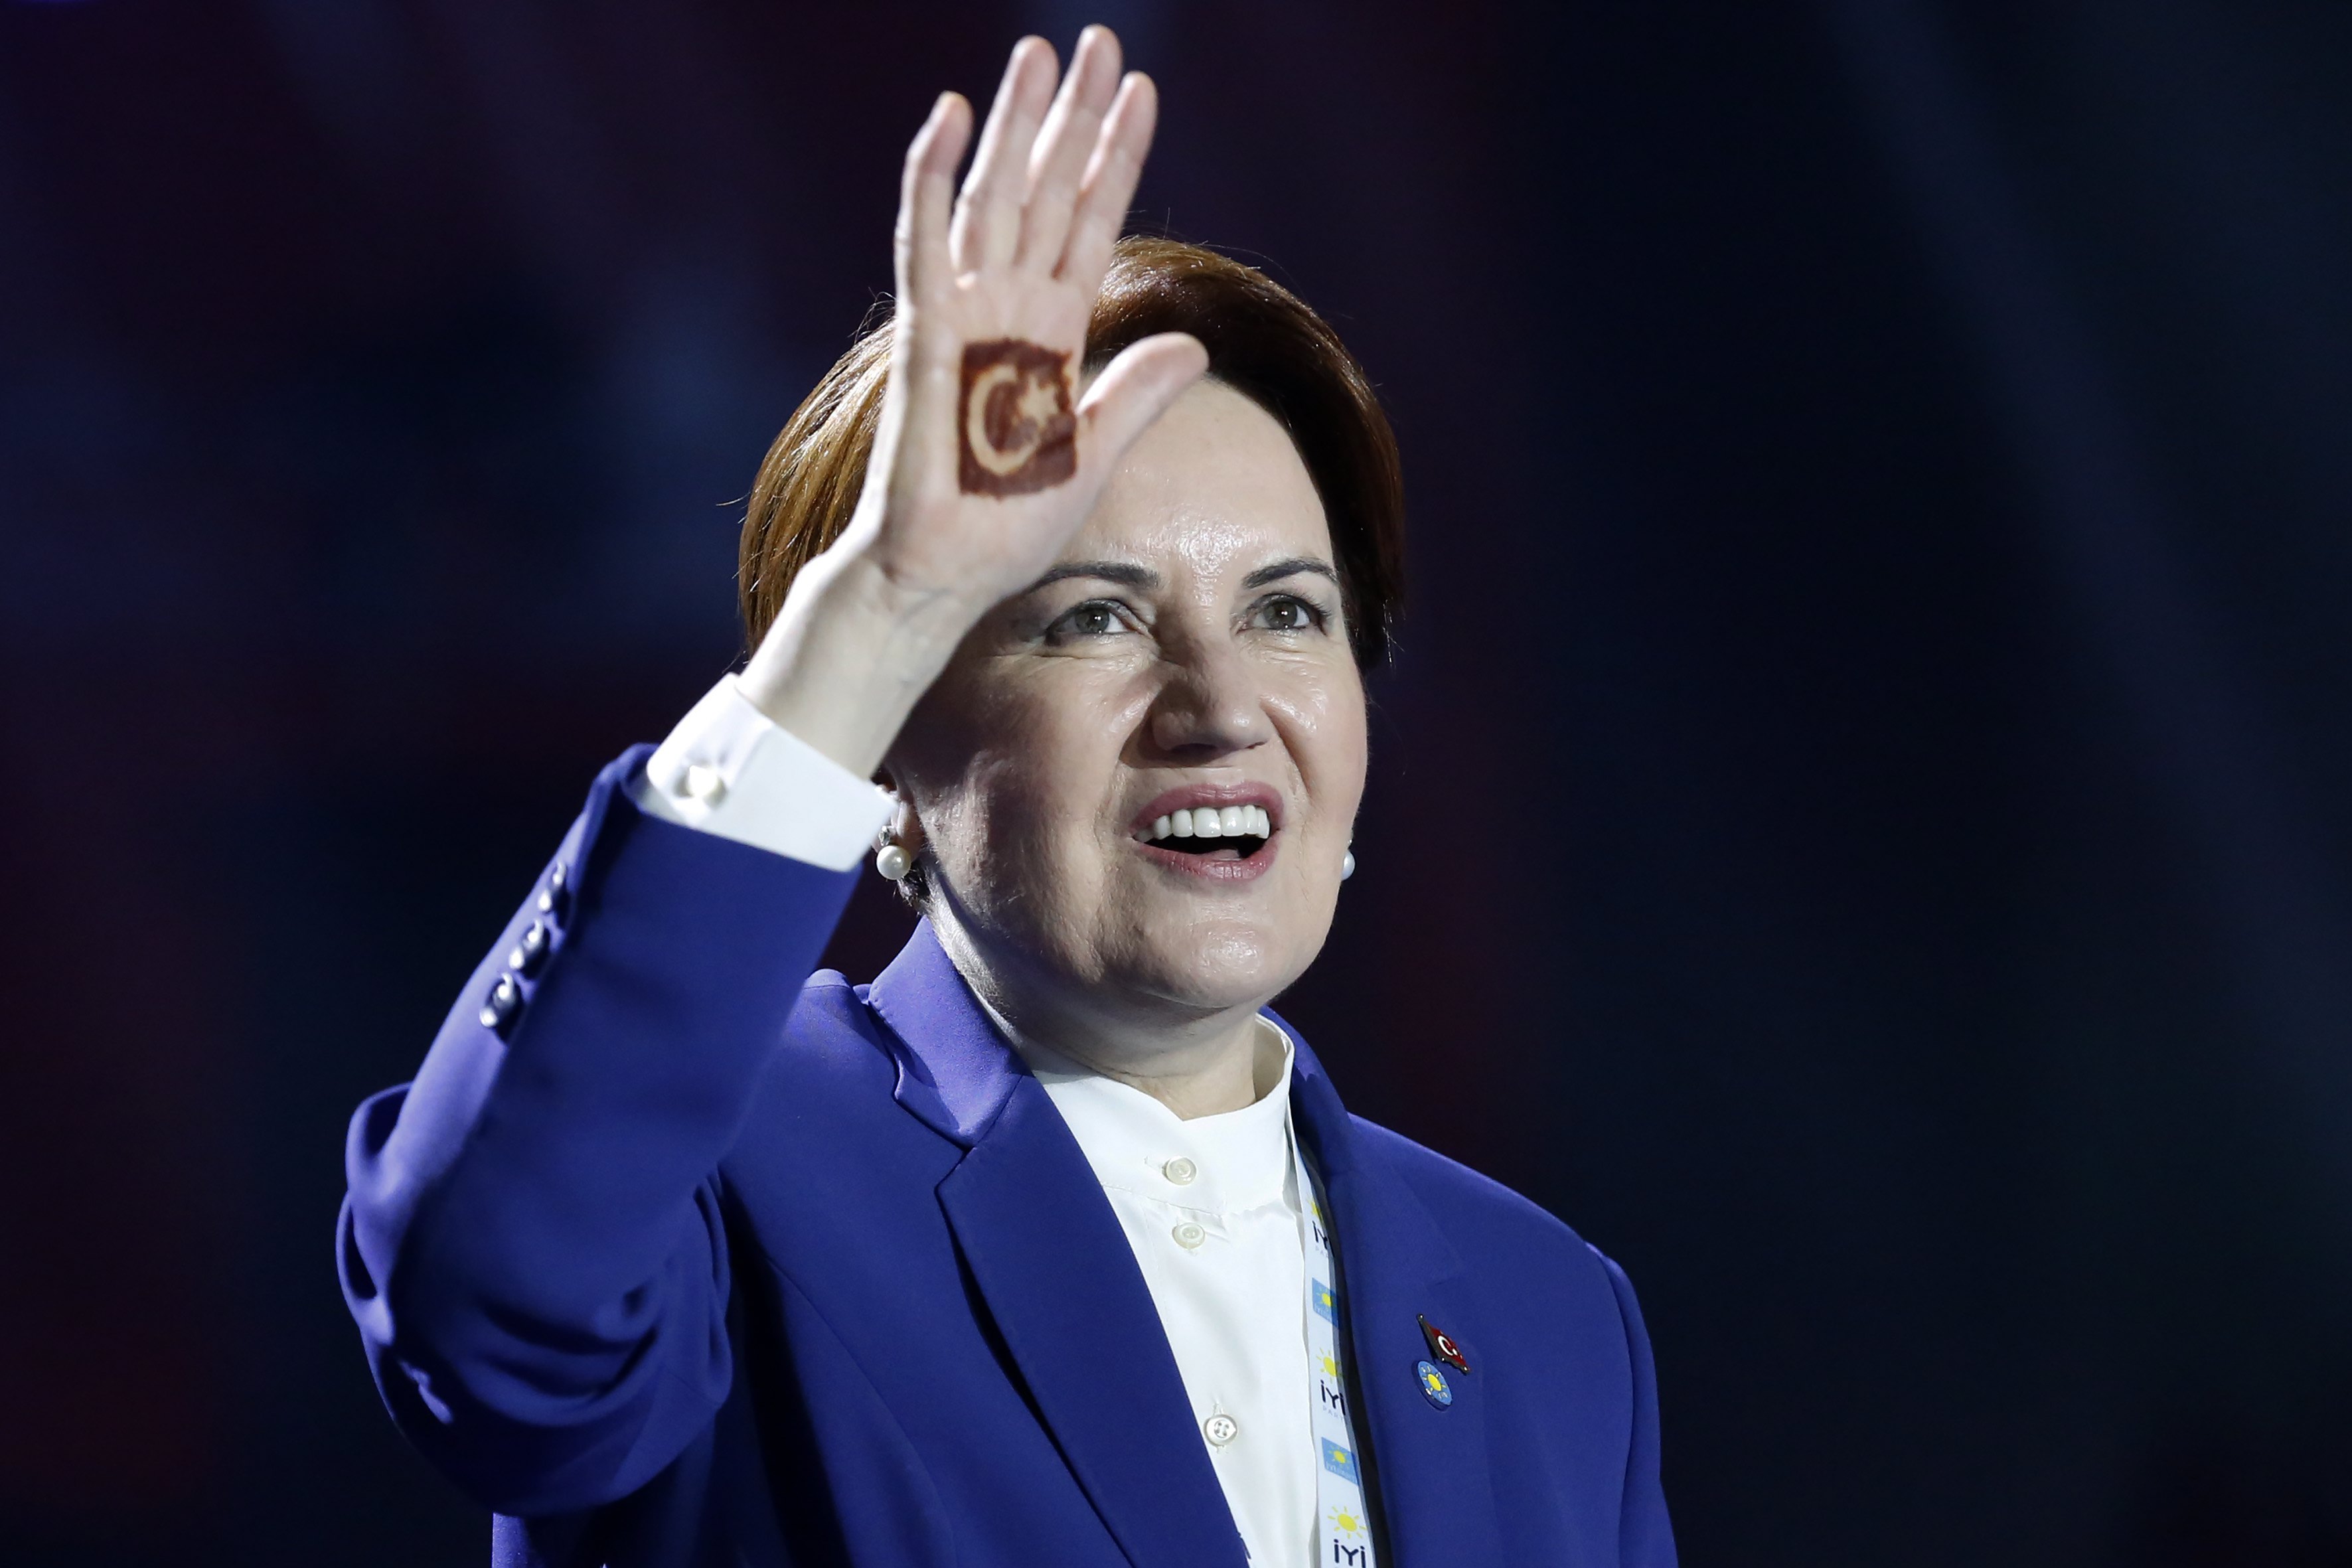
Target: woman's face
[1187,658]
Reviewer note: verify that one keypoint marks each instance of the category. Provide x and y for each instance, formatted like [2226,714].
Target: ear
[905,826]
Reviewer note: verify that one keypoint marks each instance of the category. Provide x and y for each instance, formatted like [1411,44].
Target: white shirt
[1211,1207]
[1211,1211]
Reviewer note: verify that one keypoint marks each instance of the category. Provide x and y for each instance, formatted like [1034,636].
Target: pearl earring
[1347,865]
[892,860]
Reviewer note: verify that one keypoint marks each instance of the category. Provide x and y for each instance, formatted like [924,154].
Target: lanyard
[1343,1536]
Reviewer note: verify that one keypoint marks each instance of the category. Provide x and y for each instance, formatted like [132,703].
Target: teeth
[1212,822]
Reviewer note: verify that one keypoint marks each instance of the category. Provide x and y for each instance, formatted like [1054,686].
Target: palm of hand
[987,459]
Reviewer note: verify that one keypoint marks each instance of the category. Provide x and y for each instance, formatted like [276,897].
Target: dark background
[1861,824]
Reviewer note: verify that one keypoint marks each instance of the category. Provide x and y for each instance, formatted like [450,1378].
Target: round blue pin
[1433,1386]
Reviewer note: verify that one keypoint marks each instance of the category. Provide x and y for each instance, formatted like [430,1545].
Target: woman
[1019,1255]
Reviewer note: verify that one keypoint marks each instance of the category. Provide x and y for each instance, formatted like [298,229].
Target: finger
[1134,389]
[1109,183]
[1064,147]
[987,214]
[926,199]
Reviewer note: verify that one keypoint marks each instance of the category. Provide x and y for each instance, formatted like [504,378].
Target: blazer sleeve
[532,1242]
[1644,1538]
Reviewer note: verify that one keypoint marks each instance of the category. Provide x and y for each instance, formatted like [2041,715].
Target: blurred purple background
[1861,825]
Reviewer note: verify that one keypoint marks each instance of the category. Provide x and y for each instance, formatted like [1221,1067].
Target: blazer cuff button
[504,1001]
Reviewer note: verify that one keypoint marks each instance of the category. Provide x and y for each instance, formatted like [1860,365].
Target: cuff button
[504,1001]
[556,896]
[532,951]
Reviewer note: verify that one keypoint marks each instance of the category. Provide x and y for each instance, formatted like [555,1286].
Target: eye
[1095,618]
[1287,613]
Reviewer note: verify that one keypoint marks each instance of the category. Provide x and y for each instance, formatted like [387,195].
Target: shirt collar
[1223,1163]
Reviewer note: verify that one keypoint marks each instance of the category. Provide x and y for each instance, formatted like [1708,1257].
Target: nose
[1211,705]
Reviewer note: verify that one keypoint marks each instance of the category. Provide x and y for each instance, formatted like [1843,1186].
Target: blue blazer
[688,1260]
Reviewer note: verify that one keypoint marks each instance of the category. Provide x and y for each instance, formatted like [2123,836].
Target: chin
[1213,965]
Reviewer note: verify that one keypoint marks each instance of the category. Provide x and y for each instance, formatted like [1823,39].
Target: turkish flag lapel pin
[1442,1346]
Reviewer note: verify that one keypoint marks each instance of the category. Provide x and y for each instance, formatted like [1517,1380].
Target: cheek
[1326,728]
[1021,756]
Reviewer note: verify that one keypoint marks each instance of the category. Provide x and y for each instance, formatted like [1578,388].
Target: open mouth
[1210,832]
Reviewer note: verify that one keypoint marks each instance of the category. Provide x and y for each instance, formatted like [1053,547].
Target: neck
[1195,1062]
[1205,1078]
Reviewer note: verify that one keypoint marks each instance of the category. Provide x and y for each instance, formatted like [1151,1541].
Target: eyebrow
[1278,570]
[1126,572]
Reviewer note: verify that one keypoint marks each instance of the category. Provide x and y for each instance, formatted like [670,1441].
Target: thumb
[1135,388]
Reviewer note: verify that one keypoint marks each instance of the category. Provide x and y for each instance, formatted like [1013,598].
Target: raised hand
[988,460]
[988,457]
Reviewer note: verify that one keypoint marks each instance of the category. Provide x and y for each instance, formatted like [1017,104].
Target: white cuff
[729,768]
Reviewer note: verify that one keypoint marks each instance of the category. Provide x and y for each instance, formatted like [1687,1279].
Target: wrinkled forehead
[1212,490]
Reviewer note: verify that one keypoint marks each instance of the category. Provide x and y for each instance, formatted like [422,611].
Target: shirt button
[703,783]
[1221,1429]
[1179,1170]
[1190,1235]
